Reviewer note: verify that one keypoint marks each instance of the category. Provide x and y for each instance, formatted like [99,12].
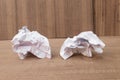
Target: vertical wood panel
[7,19]
[73,16]
[107,15]
[60,18]
[38,15]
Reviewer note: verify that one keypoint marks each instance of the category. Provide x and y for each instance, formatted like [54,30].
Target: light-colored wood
[7,19]
[107,15]
[104,66]
[73,16]
[37,15]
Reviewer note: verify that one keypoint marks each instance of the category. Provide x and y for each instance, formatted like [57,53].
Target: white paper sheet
[31,41]
[82,43]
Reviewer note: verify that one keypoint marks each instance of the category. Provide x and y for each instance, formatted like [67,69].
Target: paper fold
[82,43]
[26,41]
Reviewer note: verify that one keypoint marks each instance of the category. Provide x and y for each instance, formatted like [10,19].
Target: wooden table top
[100,67]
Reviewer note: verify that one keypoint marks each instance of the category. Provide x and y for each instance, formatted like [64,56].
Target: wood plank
[7,19]
[107,15]
[104,66]
[73,16]
[38,15]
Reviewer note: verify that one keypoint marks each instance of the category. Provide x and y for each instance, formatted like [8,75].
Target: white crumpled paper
[82,43]
[31,41]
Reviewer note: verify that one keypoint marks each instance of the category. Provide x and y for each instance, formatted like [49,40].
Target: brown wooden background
[60,18]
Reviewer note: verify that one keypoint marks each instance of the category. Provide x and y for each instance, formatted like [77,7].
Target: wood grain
[73,16]
[107,15]
[60,18]
[7,19]
[38,15]
[104,66]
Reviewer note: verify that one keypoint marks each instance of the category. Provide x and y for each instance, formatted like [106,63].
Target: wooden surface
[101,67]
[37,15]
[52,18]
[60,18]
[7,19]
[73,16]
[107,17]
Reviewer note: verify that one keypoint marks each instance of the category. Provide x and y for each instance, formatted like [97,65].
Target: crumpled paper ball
[26,41]
[83,44]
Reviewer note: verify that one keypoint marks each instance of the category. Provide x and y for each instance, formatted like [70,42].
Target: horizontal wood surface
[104,66]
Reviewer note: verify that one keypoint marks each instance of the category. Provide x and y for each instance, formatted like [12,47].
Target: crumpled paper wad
[83,43]
[27,41]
